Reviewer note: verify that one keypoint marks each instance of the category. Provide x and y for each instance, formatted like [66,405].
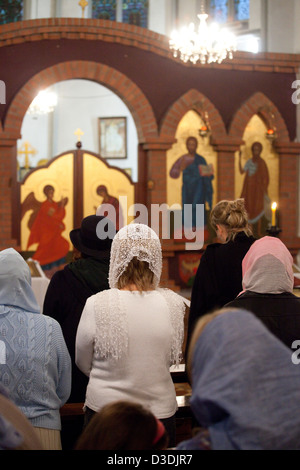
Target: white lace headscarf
[111,339]
[134,240]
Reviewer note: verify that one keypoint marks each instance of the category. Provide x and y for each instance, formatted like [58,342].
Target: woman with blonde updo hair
[219,276]
[229,218]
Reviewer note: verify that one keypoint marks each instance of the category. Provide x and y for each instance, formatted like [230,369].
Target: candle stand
[273,231]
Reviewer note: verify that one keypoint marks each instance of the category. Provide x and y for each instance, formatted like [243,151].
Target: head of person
[15,283]
[136,258]
[48,191]
[228,218]
[94,237]
[16,432]
[268,267]
[102,190]
[256,149]
[123,425]
[241,376]
[191,144]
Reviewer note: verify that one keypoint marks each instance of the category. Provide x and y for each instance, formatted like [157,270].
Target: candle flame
[274,206]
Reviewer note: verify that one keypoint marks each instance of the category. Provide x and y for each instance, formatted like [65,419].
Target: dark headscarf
[245,385]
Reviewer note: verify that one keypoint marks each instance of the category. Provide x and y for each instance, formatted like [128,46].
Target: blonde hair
[233,216]
[138,273]
[199,327]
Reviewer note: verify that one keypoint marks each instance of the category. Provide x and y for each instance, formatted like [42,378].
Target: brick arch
[192,100]
[257,104]
[126,89]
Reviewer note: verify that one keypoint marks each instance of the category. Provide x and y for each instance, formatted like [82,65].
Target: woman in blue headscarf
[35,366]
[245,387]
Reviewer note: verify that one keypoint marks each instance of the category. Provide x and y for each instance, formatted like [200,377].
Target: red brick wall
[138,66]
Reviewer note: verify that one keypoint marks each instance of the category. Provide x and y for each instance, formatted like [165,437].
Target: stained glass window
[219,10]
[104,9]
[10,11]
[135,12]
[241,10]
[227,10]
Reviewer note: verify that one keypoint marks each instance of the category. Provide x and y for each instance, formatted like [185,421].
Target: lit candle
[274,206]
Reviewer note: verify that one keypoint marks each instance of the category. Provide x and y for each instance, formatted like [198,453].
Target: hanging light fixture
[205,129]
[209,44]
[267,113]
[271,134]
[43,103]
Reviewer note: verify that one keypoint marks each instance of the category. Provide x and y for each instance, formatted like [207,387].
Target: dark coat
[219,277]
[280,313]
[65,299]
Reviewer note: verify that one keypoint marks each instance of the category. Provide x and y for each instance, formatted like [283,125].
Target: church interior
[121,106]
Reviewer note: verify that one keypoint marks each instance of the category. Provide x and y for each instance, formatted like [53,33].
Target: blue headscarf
[246,390]
[15,283]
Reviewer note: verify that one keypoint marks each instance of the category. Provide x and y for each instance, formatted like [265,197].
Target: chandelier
[208,44]
[43,103]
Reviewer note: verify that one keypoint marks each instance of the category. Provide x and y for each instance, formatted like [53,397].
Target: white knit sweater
[147,331]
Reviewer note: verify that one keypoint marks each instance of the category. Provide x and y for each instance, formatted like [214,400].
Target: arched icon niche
[80,106]
[267,190]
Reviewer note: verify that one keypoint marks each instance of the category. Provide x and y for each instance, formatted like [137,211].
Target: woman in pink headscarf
[268,281]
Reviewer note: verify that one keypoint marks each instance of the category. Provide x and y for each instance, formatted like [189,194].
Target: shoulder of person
[200,157]
[216,249]
[175,299]
[209,253]
[168,292]
[212,248]
[102,295]
[49,322]
[58,275]
[240,238]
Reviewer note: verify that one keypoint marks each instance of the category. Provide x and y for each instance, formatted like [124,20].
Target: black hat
[88,241]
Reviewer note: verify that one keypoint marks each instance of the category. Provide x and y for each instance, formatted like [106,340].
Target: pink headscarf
[268,267]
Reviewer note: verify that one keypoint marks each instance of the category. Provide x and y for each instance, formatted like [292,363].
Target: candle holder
[273,231]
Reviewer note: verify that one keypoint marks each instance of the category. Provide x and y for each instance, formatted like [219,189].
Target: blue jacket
[35,365]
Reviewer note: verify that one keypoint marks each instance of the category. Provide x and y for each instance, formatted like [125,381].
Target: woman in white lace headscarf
[129,335]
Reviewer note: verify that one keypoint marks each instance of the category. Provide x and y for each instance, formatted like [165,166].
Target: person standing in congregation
[130,335]
[69,288]
[67,293]
[35,366]
[245,388]
[268,282]
[218,278]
